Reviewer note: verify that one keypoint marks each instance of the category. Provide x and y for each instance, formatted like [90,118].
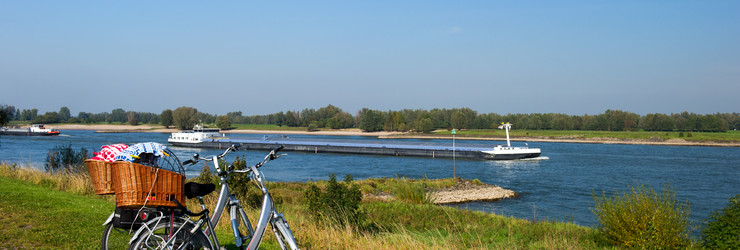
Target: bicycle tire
[114,238]
[283,234]
[183,239]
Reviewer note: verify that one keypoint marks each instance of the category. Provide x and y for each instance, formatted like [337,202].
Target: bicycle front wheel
[283,234]
[176,235]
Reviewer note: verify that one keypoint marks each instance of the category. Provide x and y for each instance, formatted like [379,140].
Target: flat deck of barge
[350,147]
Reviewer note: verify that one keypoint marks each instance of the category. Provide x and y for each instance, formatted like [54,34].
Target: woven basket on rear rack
[133,182]
[101,173]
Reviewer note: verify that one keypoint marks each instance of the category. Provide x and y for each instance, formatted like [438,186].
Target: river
[557,186]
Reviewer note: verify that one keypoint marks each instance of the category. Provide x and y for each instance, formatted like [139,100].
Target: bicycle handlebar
[272,155]
[197,158]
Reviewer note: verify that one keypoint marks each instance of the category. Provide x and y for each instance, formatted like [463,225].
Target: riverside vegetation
[60,210]
[405,120]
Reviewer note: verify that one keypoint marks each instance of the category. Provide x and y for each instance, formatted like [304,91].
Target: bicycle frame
[268,214]
[225,198]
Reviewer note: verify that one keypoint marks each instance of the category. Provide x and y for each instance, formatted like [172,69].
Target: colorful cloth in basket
[146,147]
[109,152]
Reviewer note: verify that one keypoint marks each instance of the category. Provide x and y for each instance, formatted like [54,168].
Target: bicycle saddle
[193,189]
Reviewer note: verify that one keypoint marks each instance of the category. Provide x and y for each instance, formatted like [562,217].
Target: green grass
[729,136]
[37,216]
[472,229]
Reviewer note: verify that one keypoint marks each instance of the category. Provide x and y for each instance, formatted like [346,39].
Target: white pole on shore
[453,153]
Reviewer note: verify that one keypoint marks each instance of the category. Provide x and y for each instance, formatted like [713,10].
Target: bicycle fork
[235,210]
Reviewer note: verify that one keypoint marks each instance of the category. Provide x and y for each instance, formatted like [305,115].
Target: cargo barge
[500,152]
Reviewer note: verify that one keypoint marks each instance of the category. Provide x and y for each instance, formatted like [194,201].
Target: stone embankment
[464,191]
[467,191]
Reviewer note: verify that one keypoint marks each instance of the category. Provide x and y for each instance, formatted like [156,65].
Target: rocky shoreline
[463,191]
[467,191]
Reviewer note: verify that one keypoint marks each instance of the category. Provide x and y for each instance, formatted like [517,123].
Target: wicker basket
[101,173]
[132,184]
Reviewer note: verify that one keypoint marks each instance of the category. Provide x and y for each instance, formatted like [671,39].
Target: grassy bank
[36,216]
[729,136]
[60,211]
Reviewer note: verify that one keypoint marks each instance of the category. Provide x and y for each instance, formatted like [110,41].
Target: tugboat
[198,135]
[508,152]
[34,130]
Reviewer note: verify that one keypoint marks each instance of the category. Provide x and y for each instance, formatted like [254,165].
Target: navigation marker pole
[453,153]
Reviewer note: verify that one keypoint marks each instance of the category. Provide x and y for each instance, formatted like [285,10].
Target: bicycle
[181,232]
[124,221]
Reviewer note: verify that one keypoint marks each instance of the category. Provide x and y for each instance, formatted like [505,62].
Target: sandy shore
[396,135]
[160,129]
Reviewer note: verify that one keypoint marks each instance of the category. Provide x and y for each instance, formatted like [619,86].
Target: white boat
[198,135]
[34,130]
[508,152]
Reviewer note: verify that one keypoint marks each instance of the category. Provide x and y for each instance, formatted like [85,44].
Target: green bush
[65,158]
[206,176]
[313,126]
[722,231]
[642,218]
[240,183]
[339,203]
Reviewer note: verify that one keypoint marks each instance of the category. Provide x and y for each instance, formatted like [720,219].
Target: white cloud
[454,30]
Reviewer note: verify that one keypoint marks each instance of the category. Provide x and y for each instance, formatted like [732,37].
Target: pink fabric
[108,152]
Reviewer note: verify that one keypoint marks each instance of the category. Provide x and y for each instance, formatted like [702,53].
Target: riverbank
[111,128]
[593,140]
[399,225]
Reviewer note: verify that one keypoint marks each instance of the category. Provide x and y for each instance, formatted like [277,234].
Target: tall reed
[69,181]
[411,192]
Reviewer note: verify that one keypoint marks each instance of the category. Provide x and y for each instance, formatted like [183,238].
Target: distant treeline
[402,120]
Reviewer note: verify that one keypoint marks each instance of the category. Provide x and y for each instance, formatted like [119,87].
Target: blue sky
[258,57]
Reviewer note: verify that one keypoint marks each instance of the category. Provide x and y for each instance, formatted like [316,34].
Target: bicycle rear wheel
[158,237]
[283,234]
[114,238]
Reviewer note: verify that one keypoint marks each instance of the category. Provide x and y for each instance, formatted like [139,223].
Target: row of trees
[402,120]
[466,118]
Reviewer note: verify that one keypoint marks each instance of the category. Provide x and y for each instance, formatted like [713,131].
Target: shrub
[313,126]
[339,203]
[240,183]
[642,218]
[206,176]
[65,158]
[722,231]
